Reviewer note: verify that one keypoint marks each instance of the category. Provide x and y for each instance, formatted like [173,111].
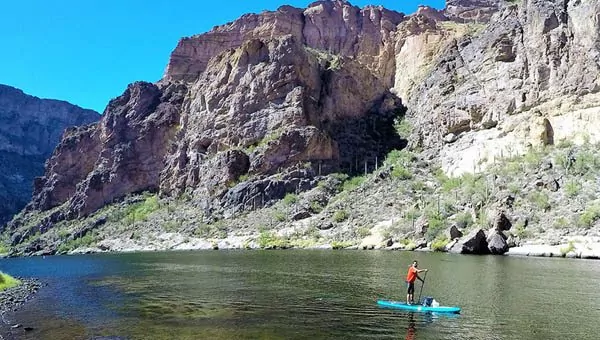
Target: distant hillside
[30,129]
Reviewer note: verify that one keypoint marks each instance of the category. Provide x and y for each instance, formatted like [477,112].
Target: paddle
[422,284]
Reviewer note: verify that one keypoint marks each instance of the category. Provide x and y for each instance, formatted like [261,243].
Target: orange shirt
[412,274]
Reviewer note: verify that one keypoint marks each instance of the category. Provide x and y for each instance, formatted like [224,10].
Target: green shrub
[141,210]
[572,188]
[270,240]
[410,246]
[585,162]
[541,200]
[405,241]
[399,157]
[4,249]
[589,216]
[340,216]
[436,225]
[560,223]
[316,207]
[403,127]
[451,183]
[290,199]
[401,172]
[521,231]
[73,244]
[418,186]
[363,232]
[279,216]
[7,281]
[440,244]
[463,220]
[569,248]
[353,183]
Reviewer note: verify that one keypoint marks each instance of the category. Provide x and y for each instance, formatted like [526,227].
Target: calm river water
[303,295]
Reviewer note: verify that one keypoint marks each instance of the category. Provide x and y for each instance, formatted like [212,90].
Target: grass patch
[7,281]
[440,244]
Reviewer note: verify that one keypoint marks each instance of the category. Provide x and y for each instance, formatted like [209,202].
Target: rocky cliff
[269,105]
[30,129]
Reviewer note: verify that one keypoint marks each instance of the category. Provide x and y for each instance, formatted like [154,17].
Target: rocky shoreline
[12,299]
[584,248]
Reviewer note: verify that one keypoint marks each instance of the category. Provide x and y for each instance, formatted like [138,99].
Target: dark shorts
[410,287]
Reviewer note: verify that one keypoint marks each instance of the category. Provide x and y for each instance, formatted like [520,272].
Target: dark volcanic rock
[474,243]
[497,244]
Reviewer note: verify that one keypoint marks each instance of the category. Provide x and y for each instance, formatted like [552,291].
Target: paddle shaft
[422,284]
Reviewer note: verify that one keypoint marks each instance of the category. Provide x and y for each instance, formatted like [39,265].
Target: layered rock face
[539,58]
[333,26]
[472,10]
[30,129]
[263,105]
[122,154]
[267,94]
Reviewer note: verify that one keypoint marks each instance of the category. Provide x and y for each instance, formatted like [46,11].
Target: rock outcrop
[474,243]
[30,129]
[479,11]
[533,59]
[290,89]
[263,106]
[334,26]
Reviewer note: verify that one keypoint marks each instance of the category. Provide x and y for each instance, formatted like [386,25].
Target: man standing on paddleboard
[411,277]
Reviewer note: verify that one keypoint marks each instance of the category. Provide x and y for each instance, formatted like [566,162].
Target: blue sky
[87,51]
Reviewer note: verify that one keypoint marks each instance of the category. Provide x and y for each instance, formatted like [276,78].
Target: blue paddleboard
[417,308]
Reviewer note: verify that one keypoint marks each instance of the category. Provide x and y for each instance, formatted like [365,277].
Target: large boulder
[453,233]
[474,243]
[497,244]
[501,222]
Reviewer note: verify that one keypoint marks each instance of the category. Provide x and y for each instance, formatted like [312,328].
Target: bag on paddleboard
[427,301]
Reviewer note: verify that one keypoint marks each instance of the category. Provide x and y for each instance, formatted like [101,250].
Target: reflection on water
[304,294]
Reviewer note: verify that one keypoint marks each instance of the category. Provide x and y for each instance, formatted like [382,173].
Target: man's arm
[421,270]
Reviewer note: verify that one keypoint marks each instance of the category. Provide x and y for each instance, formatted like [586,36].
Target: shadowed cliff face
[266,103]
[30,128]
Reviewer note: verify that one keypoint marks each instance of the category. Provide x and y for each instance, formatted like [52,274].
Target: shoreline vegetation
[7,281]
[541,201]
